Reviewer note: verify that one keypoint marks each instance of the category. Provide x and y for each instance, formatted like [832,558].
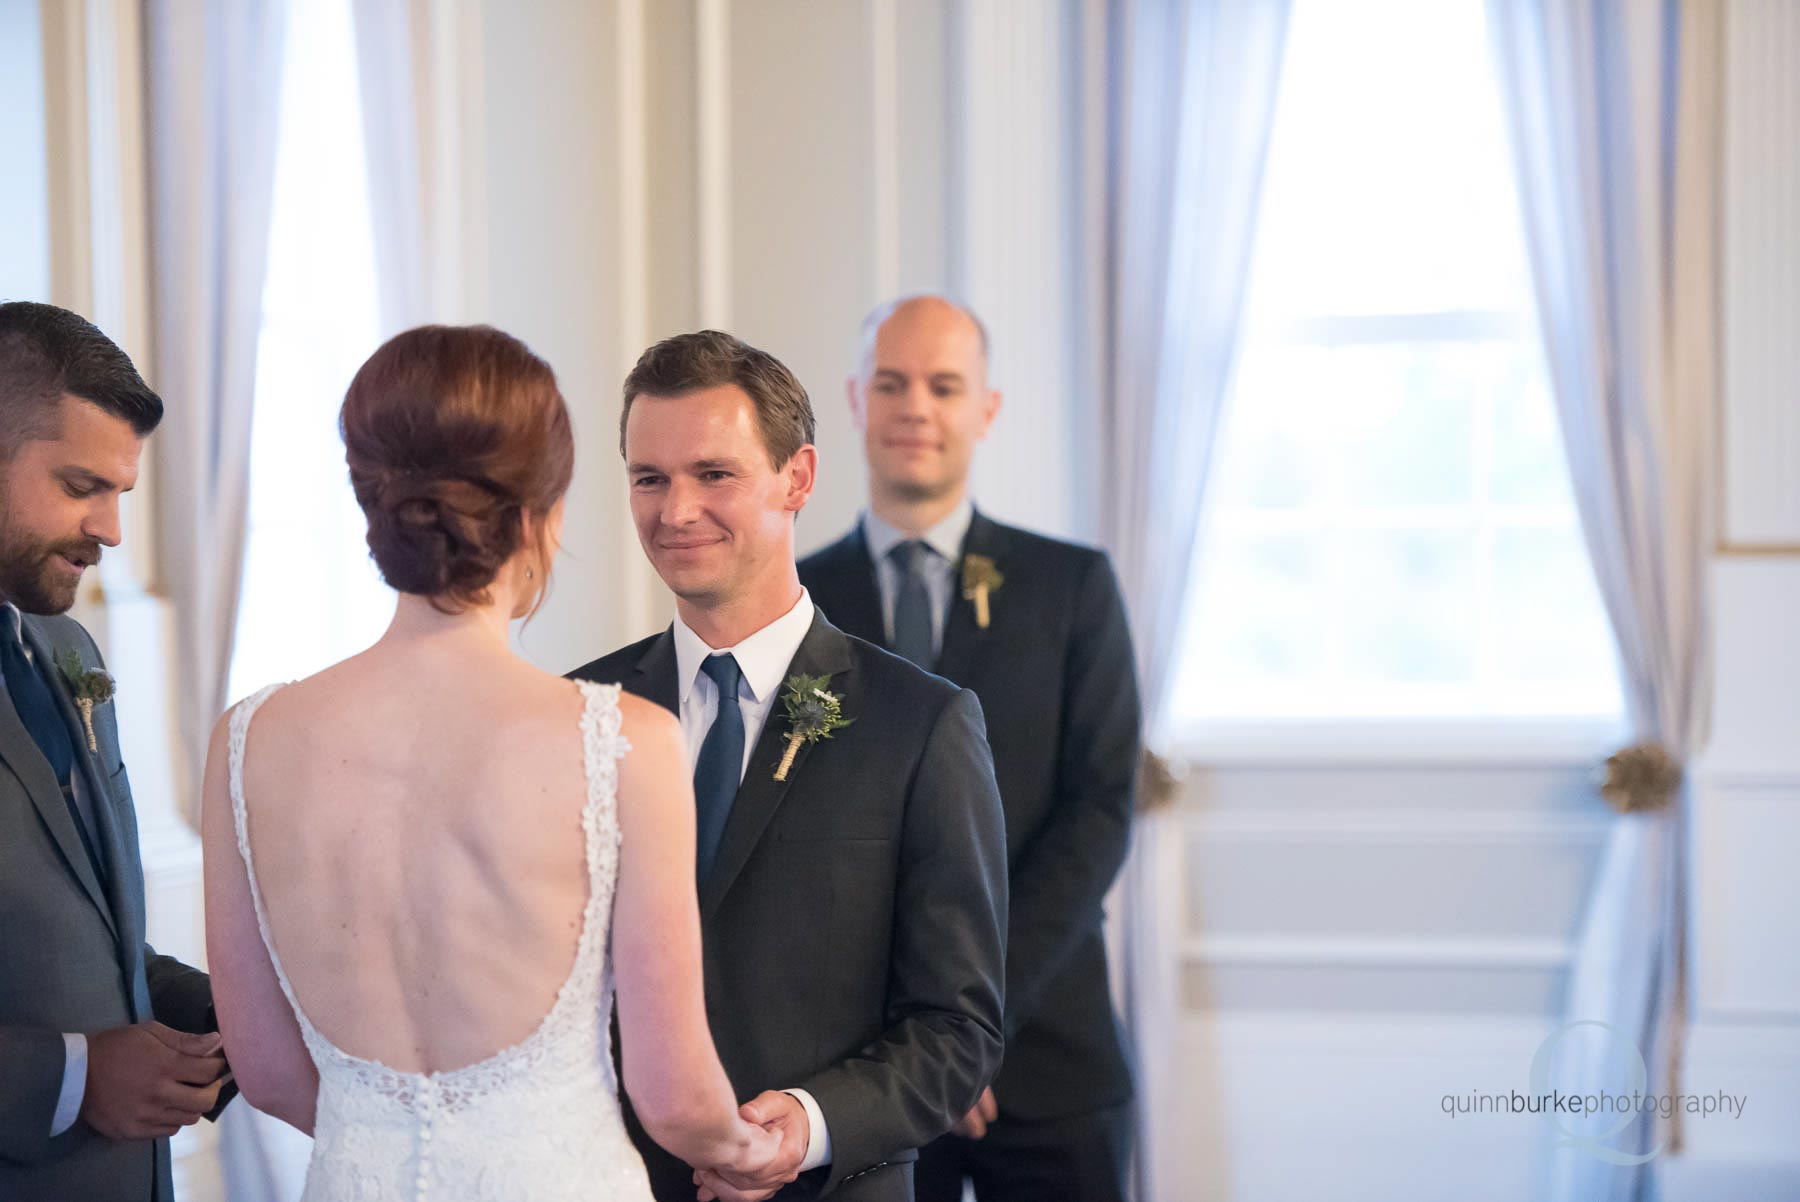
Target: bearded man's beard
[30,576]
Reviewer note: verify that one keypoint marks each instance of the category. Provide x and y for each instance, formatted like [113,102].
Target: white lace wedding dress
[539,1120]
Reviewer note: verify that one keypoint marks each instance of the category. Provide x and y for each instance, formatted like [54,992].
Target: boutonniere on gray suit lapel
[980,579]
[89,686]
[812,714]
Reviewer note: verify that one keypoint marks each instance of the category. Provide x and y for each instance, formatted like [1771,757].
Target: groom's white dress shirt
[763,660]
[75,1049]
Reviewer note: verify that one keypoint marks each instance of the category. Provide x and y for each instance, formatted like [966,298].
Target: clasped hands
[148,1081]
[771,1161]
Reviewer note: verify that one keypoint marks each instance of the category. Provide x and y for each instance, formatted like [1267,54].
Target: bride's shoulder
[647,724]
[657,750]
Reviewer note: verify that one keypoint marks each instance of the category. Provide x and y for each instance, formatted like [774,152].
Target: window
[1390,532]
[310,594]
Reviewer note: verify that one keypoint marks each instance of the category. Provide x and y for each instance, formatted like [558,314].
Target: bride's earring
[528,573]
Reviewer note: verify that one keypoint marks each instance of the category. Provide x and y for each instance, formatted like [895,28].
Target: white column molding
[1020,182]
[66,120]
[712,107]
[456,169]
[1761,292]
[642,595]
[884,142]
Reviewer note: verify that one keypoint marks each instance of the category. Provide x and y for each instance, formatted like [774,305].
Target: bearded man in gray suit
[106,1048]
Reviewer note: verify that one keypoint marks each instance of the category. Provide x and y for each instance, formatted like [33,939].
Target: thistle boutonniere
[90,687]
[812,714]
[980,578]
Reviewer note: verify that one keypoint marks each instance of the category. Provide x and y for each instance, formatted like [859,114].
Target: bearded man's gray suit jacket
[72,951]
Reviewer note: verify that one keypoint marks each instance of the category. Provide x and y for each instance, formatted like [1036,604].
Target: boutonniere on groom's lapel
[980,578]
[812,714]
[89,686]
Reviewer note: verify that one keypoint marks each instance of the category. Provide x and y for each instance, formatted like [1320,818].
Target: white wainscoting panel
[1324,1105]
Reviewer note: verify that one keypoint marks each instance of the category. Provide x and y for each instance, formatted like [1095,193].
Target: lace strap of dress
[240,732]
[602,747]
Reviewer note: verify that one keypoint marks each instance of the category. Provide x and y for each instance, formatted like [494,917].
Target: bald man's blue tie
[721,763]
[912,605]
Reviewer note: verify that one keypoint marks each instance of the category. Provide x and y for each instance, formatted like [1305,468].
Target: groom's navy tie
[912,605]
[37,708]
[721,763]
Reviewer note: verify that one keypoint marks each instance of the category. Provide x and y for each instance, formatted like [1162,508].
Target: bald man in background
[1036,628]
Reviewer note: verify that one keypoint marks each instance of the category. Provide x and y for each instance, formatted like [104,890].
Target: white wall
[1746,896]
[776,169]
[549,153]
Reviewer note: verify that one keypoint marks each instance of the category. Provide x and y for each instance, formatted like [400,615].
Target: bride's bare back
[417,836]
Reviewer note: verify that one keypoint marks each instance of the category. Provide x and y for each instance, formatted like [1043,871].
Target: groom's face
[59,504]
[712,511]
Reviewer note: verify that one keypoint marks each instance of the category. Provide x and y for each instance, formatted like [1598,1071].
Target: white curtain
[411,61]
[1192,87]
[213,90]
[213,73]
[1614,114]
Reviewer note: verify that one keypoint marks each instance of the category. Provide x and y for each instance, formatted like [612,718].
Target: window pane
[1390,529]
[1387,175]
[1280,400]
[1266,604]
[1409,606]
[1529,468]
[1406,423]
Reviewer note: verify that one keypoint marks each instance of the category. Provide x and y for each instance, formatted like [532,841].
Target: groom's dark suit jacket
[72,950]
[1054,673]
[854,921]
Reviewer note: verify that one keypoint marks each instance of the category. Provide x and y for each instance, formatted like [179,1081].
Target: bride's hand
[777,1136]
[741,1180]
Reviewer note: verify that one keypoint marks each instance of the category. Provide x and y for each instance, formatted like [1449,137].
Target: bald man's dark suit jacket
[72,950]
[1055,675]
[854,921]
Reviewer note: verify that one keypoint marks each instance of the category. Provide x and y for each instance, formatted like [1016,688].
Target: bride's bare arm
[672,1071]
[262,1040]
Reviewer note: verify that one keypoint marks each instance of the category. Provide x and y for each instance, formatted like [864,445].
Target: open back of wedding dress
[539,1120]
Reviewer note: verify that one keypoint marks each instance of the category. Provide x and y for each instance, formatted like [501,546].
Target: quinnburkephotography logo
[1596,1121]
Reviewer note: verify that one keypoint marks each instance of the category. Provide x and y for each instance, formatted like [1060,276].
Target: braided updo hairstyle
[453,434]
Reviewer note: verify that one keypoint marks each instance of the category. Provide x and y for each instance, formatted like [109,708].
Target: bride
[429,867]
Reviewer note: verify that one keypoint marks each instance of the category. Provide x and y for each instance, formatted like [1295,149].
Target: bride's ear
[553,525]
[539,539]
[540,536]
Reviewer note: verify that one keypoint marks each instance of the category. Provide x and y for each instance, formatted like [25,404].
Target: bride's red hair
[453,434]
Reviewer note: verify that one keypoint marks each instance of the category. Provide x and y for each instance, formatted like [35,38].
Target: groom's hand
[148,1081]
[780,1114]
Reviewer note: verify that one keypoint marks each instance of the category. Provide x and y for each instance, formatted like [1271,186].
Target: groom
[97,1065]
[852,888]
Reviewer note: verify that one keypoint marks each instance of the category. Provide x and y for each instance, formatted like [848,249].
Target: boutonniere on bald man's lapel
[89,687]
[812,714]
[980,578]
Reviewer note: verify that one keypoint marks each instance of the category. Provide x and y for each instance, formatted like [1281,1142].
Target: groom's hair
[687,363]
[453,434]
[46,352]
